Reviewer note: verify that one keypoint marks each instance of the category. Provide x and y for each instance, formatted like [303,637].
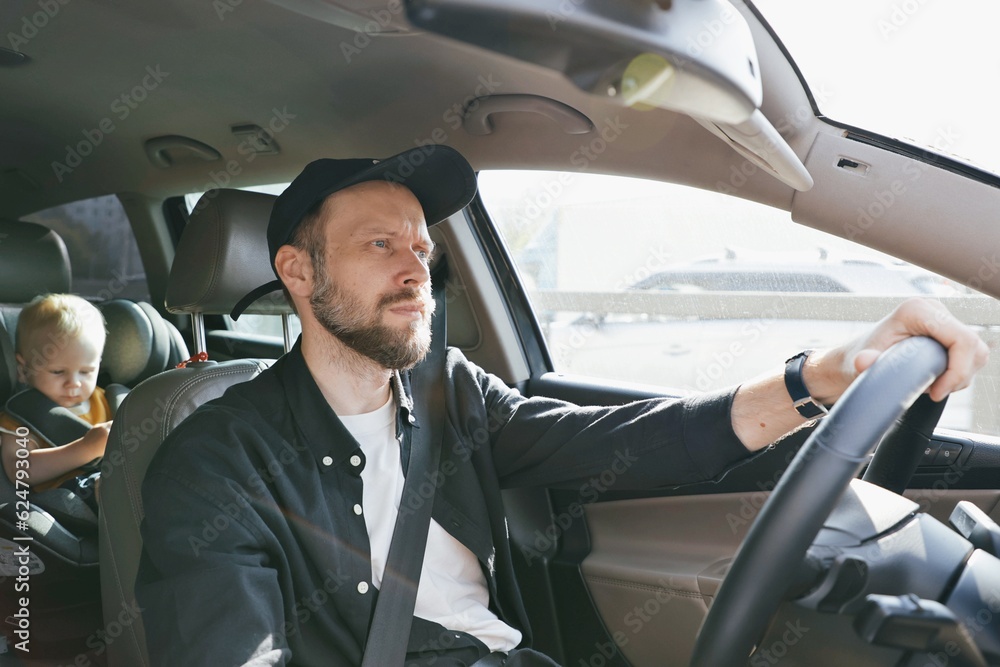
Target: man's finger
[865,359]
[964,359]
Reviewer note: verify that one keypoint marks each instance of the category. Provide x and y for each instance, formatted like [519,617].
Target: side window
[102,249]
[690,290]
[264,325]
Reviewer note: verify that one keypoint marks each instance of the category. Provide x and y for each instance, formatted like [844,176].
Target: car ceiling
[237,62]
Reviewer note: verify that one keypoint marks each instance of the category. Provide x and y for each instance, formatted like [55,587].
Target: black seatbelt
[390,629]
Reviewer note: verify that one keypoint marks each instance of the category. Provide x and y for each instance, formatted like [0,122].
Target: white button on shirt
[363,587]
[452,590]
[328,460]
[355,460]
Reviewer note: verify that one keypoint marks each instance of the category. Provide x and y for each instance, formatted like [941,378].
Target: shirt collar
[324,433]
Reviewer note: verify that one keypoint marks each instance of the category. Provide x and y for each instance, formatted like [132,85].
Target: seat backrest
[140,342]
[218,260]
[33,261]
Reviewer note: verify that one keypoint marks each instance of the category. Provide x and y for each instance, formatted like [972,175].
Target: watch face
[801,355]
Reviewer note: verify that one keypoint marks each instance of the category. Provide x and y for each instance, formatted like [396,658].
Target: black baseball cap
[442,180]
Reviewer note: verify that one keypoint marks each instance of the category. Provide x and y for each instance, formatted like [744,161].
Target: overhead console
[695,57]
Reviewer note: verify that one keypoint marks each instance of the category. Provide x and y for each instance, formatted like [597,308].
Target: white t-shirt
[452,589]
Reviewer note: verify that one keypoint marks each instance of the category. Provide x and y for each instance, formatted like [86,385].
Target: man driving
[301,470]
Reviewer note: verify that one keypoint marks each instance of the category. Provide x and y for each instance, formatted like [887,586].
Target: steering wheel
[808,491]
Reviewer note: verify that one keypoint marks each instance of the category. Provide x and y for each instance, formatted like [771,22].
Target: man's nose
[416,272]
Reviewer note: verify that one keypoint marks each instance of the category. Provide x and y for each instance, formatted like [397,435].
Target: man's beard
[361,329]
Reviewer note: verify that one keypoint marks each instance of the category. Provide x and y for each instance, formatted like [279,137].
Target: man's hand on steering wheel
[828,373]
[762,411]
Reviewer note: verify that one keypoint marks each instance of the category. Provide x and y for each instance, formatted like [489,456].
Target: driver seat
[221,256]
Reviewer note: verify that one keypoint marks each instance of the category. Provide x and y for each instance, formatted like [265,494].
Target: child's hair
[52,319]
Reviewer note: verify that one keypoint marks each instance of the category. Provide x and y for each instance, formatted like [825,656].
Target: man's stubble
[360,328]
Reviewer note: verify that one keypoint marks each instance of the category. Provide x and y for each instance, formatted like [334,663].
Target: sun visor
[695,57]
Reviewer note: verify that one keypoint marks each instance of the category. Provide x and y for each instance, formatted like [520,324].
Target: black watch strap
[803,402]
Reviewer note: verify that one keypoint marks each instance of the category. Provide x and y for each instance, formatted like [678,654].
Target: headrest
[223,254]
[33,261]
[138,343]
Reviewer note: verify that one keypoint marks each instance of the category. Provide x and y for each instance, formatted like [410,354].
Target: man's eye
[379,244]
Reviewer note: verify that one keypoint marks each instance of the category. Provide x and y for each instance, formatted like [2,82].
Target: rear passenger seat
[33,261]
[140,344]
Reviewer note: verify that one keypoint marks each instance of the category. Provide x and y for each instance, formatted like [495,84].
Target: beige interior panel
[940,502]
[655,564]
[909,209]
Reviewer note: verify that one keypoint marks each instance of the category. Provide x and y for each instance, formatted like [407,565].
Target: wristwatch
[804,403]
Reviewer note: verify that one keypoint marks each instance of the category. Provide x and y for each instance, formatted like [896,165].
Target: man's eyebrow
[377,231]
[366,232]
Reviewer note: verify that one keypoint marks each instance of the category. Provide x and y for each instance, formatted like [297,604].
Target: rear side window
[102,249]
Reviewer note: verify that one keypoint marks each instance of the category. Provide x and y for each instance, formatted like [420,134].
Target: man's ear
[295,269]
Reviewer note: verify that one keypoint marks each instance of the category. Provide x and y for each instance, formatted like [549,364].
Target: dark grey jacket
[254,551]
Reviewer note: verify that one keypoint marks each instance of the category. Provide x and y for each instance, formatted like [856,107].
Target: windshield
[915,70]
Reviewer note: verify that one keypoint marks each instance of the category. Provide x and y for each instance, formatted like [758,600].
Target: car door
[625,576]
